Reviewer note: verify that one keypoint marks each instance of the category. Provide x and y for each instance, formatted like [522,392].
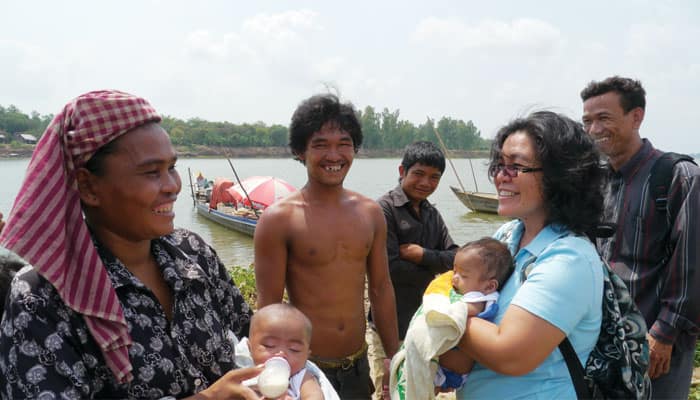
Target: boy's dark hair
[495,256]
[572,173]
[632,94]
[423,152]
[313,113]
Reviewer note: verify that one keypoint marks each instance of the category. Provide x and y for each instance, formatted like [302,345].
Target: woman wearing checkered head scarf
[119,303]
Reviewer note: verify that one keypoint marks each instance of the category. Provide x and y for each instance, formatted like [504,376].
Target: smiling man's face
[615,131]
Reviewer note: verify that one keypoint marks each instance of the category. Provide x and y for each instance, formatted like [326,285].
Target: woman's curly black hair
[315,112]
[572,172]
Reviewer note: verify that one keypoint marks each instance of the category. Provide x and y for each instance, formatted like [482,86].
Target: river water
[371,177]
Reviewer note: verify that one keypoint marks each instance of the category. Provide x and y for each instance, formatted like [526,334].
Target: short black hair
[572,172]
[313,113]
[423,152]
[495,256]
[632,94]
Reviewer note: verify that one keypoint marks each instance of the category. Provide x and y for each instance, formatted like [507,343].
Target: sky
[484,61]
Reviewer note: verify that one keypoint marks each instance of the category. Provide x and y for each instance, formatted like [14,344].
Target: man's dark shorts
[350,379]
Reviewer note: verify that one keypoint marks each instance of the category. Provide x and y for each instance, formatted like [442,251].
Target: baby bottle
[274,379]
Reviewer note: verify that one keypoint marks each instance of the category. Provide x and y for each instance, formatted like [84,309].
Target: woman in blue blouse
[548,177]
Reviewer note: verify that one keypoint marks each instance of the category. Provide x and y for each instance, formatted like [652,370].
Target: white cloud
[655,39]
[203,43]
[281,52]
[330,67]
[255,61]
[455,35]
[282,26]
[266,39]
[23,58]
[488,71]
[29,76]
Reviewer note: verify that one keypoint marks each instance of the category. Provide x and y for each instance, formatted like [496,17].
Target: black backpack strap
[661,176]
[575,369]
[567,349]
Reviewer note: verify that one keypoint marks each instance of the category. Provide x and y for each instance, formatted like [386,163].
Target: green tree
[278,135]
[370,122]
[426,131]
[390,127]
[383,130]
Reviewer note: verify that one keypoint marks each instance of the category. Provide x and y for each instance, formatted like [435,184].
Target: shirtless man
[321,242]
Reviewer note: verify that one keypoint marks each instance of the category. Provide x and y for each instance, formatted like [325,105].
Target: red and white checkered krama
[46,226]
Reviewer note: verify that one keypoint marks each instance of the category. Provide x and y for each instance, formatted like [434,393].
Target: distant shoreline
[25,151]
[251,152]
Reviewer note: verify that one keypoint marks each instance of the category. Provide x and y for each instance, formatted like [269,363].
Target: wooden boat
[237,208]
[241,220]
[477,201]
[226,216]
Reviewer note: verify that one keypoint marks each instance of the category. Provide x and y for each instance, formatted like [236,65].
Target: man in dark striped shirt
[655,251]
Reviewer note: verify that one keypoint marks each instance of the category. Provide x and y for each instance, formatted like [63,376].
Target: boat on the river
[237,206]
[226,216]
[477,201]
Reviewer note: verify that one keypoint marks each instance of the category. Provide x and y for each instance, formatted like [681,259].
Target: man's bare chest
[341,238]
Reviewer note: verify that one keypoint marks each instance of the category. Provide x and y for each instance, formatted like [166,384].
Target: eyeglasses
[511,170]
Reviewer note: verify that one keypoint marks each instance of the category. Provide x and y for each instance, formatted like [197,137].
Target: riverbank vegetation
[383,131]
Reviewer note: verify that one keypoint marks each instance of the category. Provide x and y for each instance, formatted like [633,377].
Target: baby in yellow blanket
[480,268]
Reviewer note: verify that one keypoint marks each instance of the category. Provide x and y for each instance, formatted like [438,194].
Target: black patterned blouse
[46,351]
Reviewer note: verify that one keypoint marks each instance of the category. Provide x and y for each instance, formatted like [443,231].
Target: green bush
[694,393]
[244,277]
[694,388]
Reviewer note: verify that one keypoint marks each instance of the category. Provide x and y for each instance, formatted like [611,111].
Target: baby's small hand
[475,308]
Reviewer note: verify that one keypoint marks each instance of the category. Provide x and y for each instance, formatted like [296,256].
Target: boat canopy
[220,194]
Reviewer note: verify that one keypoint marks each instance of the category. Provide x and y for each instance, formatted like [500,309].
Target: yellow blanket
[436,327]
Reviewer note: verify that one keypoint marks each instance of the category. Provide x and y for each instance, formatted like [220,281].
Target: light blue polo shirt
[564,286]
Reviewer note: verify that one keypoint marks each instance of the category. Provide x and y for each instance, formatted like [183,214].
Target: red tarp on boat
[220,194]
